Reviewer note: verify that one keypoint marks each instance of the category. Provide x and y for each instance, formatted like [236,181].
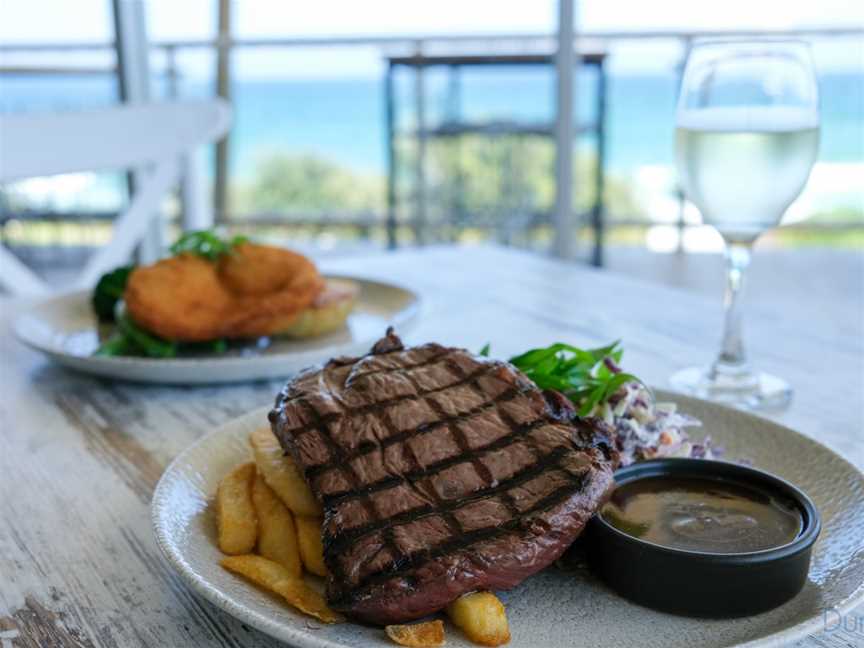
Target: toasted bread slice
[327,313]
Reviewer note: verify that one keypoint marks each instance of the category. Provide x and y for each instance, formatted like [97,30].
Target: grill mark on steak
[369,447]
[344,463]
[509,502]
[421,473]
[521,480]
[457,434]
[396,569]
[348,471]
[543,464]
[375,407]
[389,538]
[449,518]
[438,357]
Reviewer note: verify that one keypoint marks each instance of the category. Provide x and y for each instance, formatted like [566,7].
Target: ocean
[343,119]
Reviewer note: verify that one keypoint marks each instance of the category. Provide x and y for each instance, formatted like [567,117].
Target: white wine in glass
[746,138]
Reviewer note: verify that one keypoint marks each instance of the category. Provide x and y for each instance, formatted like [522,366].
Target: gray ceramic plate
[65,329]
[553,608]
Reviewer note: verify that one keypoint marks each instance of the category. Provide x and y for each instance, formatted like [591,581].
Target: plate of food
[214,311]
[413,496]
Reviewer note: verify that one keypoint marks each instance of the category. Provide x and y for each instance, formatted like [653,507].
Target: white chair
[152,138]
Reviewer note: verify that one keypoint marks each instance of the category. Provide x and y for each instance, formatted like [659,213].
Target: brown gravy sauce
[703,515]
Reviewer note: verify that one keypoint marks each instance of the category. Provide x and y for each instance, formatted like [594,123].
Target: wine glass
[747,134]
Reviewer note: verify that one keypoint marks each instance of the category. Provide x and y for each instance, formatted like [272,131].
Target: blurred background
[360,126]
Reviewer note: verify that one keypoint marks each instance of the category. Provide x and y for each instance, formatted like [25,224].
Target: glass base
[744,389]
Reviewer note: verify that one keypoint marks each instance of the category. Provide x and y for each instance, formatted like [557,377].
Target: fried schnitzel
[255,290]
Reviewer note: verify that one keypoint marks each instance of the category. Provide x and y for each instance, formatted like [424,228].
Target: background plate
[556,607]
[65,329]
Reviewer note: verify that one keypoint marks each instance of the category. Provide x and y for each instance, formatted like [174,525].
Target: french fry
[277,537]
[282,474]
[481,617]
[311,549]
[235,513]
[274,577]
[428,633]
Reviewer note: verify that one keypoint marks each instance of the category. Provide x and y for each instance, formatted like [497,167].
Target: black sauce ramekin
[703,584]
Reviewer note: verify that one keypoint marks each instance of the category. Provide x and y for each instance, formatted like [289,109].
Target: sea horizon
[342,120]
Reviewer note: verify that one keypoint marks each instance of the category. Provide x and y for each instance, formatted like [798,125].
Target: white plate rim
[303,639]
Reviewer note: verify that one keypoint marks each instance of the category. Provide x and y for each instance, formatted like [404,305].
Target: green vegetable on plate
[207,244]
[109,291]
[588,377]
[148,343]
[131,340]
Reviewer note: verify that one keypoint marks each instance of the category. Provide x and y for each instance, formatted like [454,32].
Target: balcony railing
[373,225]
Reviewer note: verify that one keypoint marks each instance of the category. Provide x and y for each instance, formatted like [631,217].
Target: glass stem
[732,356]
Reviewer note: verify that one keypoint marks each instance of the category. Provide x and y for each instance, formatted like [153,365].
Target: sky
[90,20]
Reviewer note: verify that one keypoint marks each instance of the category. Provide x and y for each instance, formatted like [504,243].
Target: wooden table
[79,456]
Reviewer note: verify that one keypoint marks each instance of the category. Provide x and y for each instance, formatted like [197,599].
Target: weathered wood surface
[79,456]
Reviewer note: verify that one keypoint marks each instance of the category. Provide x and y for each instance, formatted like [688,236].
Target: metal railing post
[564,64]
[171,80]
[420,166]
[390,124]
[223,89]
[598,209]
[457,195]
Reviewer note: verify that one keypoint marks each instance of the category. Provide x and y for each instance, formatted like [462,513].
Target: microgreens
[207,244]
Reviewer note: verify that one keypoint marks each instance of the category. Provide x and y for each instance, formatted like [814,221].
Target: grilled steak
[440,473]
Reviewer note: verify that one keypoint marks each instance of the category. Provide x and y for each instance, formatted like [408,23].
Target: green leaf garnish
[218,347]
[588,377]
[207,244]
[131,340]
[485,350]
[108,291]
[117,345]
[147,343]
